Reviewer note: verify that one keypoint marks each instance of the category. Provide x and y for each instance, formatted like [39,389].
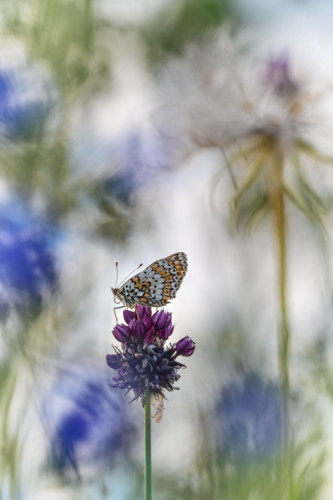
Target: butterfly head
[117,295]
[121,297]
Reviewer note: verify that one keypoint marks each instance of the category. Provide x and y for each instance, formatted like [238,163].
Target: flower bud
[165,334]
[185,346]
[161,319]
[149,336]
[138,328]
[121,332]
[128,315]
[113,361]
[143,311]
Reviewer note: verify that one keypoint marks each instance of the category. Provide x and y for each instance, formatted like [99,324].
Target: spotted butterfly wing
[156,285]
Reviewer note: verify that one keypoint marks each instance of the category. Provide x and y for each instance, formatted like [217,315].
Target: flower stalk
[148,488]
[264,130]
[277,203]
[147,366]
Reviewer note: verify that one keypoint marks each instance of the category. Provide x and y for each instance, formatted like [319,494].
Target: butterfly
[156,285]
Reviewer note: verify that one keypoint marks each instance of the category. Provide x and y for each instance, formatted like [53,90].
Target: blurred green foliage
[70,41]
[180,23]
[67,36]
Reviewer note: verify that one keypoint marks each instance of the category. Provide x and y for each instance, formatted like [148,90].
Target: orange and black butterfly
[156,285]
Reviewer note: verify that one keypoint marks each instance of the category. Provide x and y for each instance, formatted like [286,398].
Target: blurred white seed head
[227,91]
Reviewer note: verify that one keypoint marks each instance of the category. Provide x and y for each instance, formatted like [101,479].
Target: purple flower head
[144,362]
[249,419]
[89,426]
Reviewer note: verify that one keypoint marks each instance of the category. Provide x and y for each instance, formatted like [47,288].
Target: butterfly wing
[162,279]
[157,284]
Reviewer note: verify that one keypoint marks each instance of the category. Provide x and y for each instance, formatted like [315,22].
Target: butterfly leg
[114,312]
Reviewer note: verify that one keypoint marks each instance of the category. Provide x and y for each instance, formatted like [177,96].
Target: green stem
[280,228]
[148,495]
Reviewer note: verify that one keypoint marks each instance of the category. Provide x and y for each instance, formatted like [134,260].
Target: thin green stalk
[280,228]
[284,333]
[148,495]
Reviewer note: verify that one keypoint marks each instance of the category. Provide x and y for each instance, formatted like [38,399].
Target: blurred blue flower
[27,261]
[123,167]
[249,419]
[89,424]
[24,102]
[140,159]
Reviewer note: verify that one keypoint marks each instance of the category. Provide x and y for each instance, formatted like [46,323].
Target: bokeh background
[115,119]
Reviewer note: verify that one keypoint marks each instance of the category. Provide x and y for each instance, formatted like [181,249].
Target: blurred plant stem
[11,434]
[277,203]
[148,494]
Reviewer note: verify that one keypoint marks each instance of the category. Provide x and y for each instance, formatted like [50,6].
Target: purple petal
[165,334]
[138,328]
[146,320]
[150,336]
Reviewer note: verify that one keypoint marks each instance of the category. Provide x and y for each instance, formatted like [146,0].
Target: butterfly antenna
[140,265]
[116,275]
